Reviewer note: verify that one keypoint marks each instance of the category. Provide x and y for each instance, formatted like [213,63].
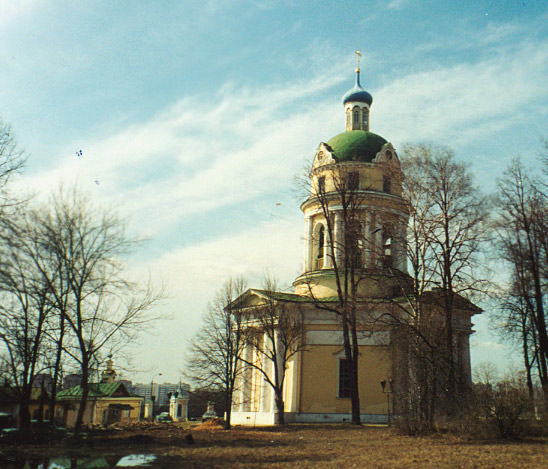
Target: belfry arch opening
[354,243]
[319,254]
[387,247]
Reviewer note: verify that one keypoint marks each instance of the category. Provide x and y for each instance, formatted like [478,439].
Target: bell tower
[355,217]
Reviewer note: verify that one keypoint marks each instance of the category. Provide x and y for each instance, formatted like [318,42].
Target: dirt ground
[303,446]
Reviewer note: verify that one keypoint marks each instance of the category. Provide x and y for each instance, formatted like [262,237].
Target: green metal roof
[292,297]
[95,390]
[356,145]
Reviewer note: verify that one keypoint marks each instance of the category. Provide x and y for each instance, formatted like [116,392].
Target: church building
[316,387]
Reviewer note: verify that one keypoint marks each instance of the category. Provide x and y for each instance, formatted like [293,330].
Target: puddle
[133,460]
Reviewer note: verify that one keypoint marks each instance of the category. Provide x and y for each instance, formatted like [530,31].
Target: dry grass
[326,446]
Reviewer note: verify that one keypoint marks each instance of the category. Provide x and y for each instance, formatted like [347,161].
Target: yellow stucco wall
[319,390]
[94,410]
[371,176]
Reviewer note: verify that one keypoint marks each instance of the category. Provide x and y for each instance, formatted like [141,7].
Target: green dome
[356,145]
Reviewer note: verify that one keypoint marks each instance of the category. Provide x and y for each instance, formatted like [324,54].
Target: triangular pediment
[251,298]
[256,297]
[388,156]
[323,157]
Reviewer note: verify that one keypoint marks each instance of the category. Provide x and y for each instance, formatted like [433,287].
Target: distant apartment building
[161,392]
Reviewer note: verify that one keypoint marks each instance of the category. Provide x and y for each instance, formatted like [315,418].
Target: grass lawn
[345,446]
[302,446]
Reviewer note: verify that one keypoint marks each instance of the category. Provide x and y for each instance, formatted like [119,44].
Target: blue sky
[194,117]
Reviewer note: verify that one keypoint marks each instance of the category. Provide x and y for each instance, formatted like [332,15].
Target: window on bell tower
[353,181]
[321,248]
[386,184]
[387,258]
[321,185]
[353,244]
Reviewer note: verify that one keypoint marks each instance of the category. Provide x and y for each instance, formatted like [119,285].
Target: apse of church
[362,164]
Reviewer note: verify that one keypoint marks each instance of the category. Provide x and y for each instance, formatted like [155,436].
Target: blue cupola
[357,103]
[357,94]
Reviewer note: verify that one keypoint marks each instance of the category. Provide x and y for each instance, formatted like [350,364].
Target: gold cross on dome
[358,55]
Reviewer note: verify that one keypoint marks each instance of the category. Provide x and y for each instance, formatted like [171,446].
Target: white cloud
[197,155]
[466,102]
[194,273]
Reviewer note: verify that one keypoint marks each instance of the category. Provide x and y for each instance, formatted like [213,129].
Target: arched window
[348,117]
[356,116]
[320,254]
[364,117]
[387,258]
[354,244]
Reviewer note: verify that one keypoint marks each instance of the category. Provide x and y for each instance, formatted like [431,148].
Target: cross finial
[358,55]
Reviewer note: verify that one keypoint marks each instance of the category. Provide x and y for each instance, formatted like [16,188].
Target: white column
[292,407]
[338,237]
[372,238]
[267,366]
[329,238]
[377,239]
[245,389]
[276,370]
[367,233]
[241,390]
[402,245]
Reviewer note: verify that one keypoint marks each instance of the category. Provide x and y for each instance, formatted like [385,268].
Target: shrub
[503,410]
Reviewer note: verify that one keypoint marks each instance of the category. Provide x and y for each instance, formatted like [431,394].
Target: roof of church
[291,297]
[357,94]
[96,390]
[356,145]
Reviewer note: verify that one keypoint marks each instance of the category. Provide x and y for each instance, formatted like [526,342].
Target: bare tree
[88,244]
[215,356]
[521,229]
[329,187]
[24,314]
[275,332]
[11,161]
[62,269]
[447,225]
[357,252]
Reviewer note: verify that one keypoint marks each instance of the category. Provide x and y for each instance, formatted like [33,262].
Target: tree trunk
[57,369]
[228,404]
[84,385]
[280,405]
[24,413]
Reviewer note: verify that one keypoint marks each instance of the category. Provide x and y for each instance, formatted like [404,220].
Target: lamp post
[152,397]
[388,390]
